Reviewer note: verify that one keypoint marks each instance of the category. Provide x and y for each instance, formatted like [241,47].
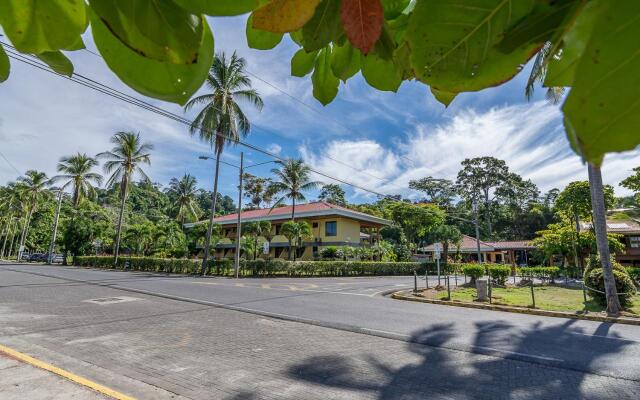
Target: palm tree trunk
[120,217]
[600,226]
[13,239]
[25,231]
[214,198]
[293,210]
[6,236]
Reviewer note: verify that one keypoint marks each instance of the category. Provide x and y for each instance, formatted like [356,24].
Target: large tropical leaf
[561,69]
[379,73]
[362,21]
[34,26]
[261,40]
[4,65]
[57,62]
[345,61]
[136,24]
[302,62]
[165,81]
[453,43]
[325,84]
[602,111]
[219,7]
[324,27]
[284,15]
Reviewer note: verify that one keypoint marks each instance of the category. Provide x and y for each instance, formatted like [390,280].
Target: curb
[402,295]
[65,374]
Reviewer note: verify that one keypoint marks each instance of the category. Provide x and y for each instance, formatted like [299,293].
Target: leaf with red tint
[362,21]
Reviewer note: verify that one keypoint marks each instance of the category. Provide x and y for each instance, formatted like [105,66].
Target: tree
[254,230]
[169,239]
[440,192]
[33,187]
[447,235]
[123,162]
[416,220]
[295,232]
[632,183]
[294,178]
[76,170]
[89,223]
[258,190]
[221,121]
[478,178]
[183,195]
[333,194]
[574,202]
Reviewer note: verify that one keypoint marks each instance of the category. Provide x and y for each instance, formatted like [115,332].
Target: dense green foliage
[473,271]
[498,273]
[625,287]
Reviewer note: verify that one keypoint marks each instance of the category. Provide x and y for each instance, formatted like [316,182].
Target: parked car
[38,257]
[57,258]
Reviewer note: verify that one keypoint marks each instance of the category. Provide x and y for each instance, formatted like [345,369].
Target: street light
[55,227]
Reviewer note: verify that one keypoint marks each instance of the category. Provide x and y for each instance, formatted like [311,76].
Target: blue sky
[377,140]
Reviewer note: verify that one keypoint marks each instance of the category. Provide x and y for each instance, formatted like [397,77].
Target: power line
[9,162]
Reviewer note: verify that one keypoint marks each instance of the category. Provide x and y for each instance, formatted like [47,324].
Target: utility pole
[475,221]
[238,224]
[55,228]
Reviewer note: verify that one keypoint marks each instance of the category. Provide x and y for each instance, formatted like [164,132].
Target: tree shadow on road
[506,368]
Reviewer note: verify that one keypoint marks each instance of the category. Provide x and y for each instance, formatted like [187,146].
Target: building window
[278,226]
[315,225]
[634,242]
[331,228]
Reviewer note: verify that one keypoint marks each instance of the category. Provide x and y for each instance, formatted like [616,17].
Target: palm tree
[294,232]
[76,171]
[293,179]
[33,188]
[221,121]
[123,161]
[183,193]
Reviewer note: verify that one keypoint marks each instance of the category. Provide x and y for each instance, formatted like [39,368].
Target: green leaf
[402,59]
[297,37]
[561,70]
[57,62]
[394,8]
[541,24]
[165,81]
[345,61]
[159,30]
[381,74]
[302,62]
[219,7]
[325,84]
[602,110]
[261,40]
[284,15]
[5,66]
[37,26]
[453,43]
[324,27]
[443,97]
[385,46]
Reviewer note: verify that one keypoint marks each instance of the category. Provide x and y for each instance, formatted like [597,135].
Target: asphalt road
[358,305]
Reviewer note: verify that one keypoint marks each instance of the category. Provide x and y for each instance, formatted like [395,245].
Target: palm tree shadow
[432,371]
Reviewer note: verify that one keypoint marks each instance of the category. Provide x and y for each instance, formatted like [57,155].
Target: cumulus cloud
[274,148]
[529,137]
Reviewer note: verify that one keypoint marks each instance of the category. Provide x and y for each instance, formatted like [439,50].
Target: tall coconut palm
[221,121]
[123,162]
[183,193]
[294,178]
[33,188]
[76,171]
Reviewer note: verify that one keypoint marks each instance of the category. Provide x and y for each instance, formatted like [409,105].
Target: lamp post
[475,222]
[55,228]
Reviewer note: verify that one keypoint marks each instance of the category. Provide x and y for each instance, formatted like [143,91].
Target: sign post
[437,247]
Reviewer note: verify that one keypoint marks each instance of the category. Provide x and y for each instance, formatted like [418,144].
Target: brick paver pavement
[207,353]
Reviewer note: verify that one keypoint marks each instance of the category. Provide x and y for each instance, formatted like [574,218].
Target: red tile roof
[317,208]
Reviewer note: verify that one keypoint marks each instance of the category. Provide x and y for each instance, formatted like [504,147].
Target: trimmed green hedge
[474,271]
[499,273]
[254,267]
[624,285]
[540,272]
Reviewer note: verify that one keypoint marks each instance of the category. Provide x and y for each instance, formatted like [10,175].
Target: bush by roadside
[254,267]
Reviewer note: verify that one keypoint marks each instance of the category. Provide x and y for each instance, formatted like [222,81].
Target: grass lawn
[553,298]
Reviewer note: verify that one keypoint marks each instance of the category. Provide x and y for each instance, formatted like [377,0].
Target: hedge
[474,271]
[498,273]
[254,267]
[624,285]
[634,273]
[540,272]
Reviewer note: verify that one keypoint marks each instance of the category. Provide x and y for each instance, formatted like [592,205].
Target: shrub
[634,273]
[594,262]
[543,273]
[499,273]
[329,253]
[474,271]
[624,285]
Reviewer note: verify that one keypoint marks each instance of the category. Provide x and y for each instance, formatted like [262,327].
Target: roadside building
[331,225]
[504,252]
[630,231]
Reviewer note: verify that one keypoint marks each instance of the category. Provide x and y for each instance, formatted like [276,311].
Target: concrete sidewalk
[19,381]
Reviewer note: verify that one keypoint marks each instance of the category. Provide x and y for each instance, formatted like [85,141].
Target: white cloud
[529,137]
[274,148]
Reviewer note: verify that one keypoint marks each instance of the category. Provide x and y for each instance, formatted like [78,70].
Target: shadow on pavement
[451,374]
